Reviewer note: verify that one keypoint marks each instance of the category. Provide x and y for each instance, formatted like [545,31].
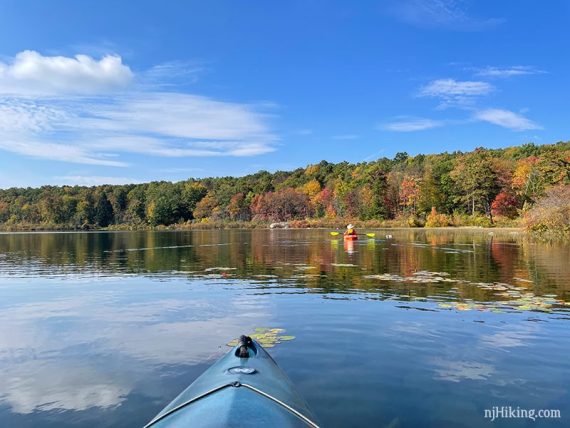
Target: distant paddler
[350,233]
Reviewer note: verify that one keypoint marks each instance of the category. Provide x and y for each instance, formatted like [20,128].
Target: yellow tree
[207,207]
[311,188]
[526,179]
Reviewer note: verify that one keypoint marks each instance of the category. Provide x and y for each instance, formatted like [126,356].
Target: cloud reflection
[59,354]
[40,385]
[457,371]
[516,336]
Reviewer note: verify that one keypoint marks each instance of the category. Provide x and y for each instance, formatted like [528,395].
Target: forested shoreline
[526,185]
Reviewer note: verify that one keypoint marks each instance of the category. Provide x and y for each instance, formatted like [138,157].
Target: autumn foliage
[551,212]
[505,204]
[481,187]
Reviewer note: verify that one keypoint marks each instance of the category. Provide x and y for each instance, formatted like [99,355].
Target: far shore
[179,228]
[546,236]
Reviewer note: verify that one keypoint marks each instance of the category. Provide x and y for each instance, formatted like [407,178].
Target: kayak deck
[247,408]
[238,391]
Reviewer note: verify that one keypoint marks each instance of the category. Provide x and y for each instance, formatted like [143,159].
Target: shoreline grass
[297,224]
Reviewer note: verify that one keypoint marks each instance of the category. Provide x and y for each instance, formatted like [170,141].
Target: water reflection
[349,247]
[45,385]
[519,336]
[110,326]
[48,344]
[474,256]
[456,371]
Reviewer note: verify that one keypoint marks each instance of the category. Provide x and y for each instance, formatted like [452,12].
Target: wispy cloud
[445,14]
[455,92]
[90,180]
[89,111]
[172,73]
[345,137]
[27,128]
[466,95]
[506,119]
[517,70]
[411,125]
[451,88]
[58,152]
[180,170]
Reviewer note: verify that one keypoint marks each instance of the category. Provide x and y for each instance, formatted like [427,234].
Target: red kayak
[350,237]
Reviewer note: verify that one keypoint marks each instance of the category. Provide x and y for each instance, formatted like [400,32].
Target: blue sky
[96,92]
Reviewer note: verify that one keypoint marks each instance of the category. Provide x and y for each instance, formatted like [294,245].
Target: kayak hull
[350,237]
[238,392]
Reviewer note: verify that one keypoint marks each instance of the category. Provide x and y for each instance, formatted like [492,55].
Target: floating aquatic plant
[463,306]
[421,277]
[517,297]
[520,302]
[522,279]
[267,337]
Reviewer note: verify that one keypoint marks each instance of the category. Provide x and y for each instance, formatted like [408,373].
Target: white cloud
[506,119]
[447,14]
[31,73]
[81,122]
[411,125]
[517,70]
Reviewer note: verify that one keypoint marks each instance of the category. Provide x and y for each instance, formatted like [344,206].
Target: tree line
[484,184]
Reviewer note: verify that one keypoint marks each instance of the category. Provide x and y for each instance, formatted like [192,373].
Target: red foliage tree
[283,205]
[409,193]
[323,203]
[505,205]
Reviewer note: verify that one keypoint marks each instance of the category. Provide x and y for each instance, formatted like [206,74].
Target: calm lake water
[428,329]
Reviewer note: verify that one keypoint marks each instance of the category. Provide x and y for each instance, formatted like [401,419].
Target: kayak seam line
[186,403]
[211,391]
[281,403]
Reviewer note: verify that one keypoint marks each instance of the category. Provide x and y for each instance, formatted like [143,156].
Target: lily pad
[286,337]
[267,337]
